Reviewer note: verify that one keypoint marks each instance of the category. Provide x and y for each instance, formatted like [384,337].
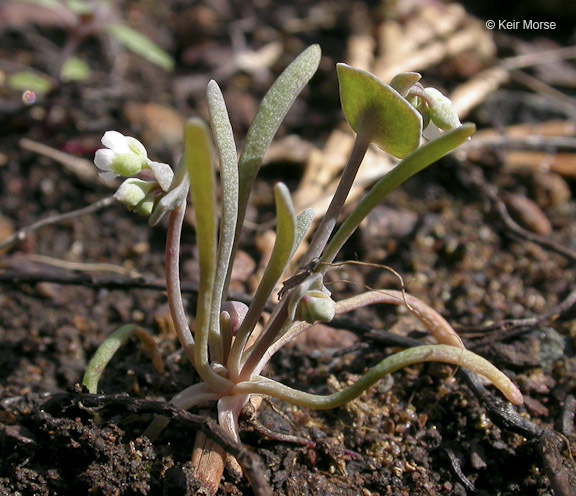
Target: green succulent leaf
[378,110]
[142,46]
[271,113]
[404,81]
[279,259]
[224,140]
[198,160]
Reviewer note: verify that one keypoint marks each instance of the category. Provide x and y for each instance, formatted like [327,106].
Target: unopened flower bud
[146,206]
[315,306]
[133,191]
[442,112]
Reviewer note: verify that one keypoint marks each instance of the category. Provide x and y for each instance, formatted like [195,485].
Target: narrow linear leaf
[271,113]
[110,346]
[421,354]
[198,160]
[303,223]
[142,46]
[414,163]
[279,259]
[224,140]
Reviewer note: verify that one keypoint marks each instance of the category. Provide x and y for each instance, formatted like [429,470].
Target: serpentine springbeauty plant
[224,347]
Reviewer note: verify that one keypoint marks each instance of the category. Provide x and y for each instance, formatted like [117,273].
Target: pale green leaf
[404,81]
[141,45]
[198,160]
[379,111]
[279,259]
[224,140]
[271,113]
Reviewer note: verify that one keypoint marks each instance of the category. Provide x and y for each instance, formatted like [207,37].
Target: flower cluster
[125,156]
[430,102]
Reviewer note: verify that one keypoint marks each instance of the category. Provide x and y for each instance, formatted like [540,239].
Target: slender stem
[321,236]
[414,163]
[431,353]
[329,220]
[173,281]
[279,259]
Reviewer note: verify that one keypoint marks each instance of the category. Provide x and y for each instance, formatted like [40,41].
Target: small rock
[160,128]
[323,337]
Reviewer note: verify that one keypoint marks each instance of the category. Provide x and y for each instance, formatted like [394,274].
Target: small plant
[84,19]
[224,347]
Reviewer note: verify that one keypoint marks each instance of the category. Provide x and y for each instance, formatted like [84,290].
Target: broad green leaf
[75,69]
[414,163]
[379,111]
[29,81]
[141,45]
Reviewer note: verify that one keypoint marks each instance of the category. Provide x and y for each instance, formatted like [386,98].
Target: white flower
[123,156]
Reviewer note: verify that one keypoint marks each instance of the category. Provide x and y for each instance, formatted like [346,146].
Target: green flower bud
[133,191]
[315,306]
[442,112]
[127,164]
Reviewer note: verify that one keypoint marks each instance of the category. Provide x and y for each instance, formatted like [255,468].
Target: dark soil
[421,432]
